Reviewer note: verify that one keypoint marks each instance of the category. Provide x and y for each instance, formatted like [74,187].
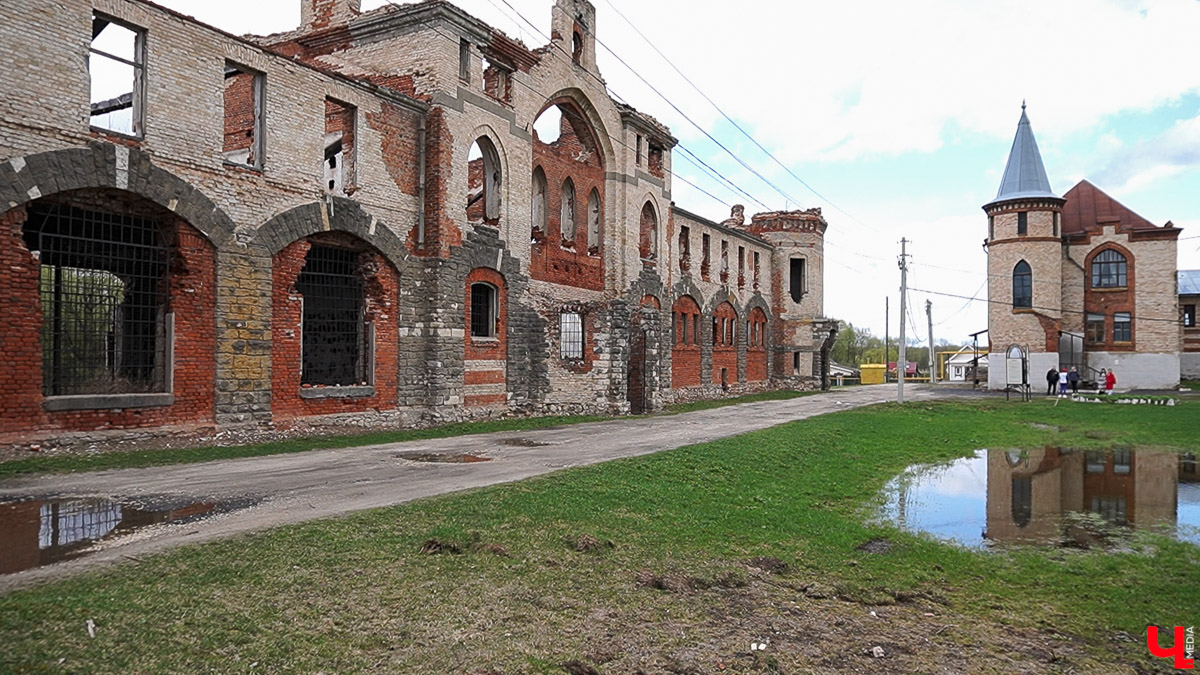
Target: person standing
[1051,380]
[1062,382]
[1110,381]
[1073,378]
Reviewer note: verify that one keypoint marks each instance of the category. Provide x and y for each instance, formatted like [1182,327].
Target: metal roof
[1189,282]
[1025,175]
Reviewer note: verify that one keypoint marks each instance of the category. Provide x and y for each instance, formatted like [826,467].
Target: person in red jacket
[1110,381]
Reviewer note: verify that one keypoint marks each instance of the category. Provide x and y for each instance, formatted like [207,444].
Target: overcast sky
[898,117]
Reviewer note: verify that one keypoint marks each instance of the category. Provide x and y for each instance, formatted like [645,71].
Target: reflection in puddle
[1049,495]
[39,532]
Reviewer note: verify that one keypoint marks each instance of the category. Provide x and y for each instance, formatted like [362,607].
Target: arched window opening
[538,206]
[567,218]
[335,338]
[548,126]
[648,233]
[594,218]
[1110,270]
[1022,280]
[484,310]
[576,47]
[484,183]
[104,288]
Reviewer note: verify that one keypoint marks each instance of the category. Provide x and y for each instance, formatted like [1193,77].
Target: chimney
[321,14]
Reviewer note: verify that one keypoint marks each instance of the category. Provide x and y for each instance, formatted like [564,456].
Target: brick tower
[1025,263]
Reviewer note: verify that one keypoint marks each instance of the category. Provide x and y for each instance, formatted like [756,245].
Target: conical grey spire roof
[1025,176]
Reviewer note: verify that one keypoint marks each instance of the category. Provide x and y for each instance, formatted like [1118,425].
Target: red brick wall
[553,259]
[398,128]
[756,351]
[1107,301]
[486,349]
[725,344]
[685,354]
[192,300]
[239,111]
[380,288]
[20,331]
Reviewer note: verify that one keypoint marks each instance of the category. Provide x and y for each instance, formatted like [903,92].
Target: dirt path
[298,487]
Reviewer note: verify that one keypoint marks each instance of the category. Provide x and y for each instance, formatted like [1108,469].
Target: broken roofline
[742,234]
[651,127]
[267,50]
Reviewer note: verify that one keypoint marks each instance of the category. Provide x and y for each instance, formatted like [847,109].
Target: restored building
[1078,280]
[1189,299]
[385,216]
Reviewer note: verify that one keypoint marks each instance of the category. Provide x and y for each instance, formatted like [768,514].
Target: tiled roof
[1087,206]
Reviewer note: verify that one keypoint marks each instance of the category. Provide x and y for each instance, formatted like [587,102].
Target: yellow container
[873,373]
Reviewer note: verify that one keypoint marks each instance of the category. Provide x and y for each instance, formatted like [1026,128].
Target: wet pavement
[1050,496]
[294,488]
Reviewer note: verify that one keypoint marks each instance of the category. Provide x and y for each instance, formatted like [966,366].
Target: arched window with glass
[1110,269]
[1022,280]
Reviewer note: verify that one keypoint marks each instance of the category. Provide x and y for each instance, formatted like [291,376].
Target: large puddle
[1051,496]
[36,532]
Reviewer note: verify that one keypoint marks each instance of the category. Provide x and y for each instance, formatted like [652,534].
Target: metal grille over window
[104,289]
[570,329]
[1109,270]
[335,350]
[483,310]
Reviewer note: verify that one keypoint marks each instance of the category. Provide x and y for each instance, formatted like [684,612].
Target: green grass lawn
[653,562]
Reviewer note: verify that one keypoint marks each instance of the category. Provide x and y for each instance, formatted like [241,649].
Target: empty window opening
[464,61]
[567,216]
[484,183]
[756,270]
[741,279]
[1122,327]
[1109,270]
[335,338]
[594,219]
[576,47]
[797,280]
[104,287]
[1094,327]
[548,126]
[484,310]
[705,264]
[648,233]
[1022,223]
[497,80]
[655,161]
[538,206]
[638,156]
[724,261]
[339,147]
[795,363]
[1022,285]
[570,332]
[243,116]
[116,65]
[685,248]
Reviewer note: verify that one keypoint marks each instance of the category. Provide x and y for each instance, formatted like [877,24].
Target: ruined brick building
[1078,281]
[358,220]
